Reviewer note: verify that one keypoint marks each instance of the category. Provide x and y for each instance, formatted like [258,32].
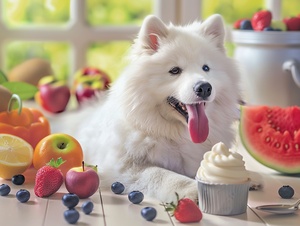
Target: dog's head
[177,79]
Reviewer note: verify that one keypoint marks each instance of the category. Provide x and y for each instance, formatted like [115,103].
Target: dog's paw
[189,191]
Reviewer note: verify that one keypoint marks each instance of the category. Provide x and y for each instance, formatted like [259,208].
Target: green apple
[278,24]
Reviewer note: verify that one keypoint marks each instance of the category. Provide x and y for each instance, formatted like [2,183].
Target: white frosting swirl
[221,165]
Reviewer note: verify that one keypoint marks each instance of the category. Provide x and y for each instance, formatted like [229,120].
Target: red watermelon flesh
[272,136]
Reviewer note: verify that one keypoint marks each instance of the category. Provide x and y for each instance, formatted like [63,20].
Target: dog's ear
[213,27]
[151,31]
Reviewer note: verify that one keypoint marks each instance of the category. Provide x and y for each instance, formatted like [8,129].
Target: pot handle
[294,68]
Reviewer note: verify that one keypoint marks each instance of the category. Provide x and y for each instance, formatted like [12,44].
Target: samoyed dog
[176,99]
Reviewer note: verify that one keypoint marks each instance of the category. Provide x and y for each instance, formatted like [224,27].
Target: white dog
[177,98]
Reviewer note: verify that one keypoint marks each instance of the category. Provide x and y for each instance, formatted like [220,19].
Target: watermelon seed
[278,128]
[259,130]
[268,139]
[286,146]
[297,147]
[277,145]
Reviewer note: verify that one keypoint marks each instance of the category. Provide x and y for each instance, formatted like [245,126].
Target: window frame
[175,11]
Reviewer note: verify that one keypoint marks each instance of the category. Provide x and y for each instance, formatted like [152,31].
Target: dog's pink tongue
[197,123]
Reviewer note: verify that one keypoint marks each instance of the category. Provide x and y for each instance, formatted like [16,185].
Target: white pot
[270,64]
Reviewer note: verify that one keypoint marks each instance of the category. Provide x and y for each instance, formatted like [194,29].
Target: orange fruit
[15,155]
[58,145]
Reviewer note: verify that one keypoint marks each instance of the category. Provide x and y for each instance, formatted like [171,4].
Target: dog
[175,100]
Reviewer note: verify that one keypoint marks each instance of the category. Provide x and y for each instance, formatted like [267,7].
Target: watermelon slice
[272,136]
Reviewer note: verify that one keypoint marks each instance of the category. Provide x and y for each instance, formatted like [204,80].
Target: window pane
[290,8]
[56,53]
[110,57]
[116,12]
[231,10]
[36,12]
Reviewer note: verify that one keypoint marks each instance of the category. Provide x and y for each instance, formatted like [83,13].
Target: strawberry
[49,178]
[185,211]
[292,23]
[261,19]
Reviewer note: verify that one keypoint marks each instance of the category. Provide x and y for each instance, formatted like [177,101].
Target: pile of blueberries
[72,215]
[22,195]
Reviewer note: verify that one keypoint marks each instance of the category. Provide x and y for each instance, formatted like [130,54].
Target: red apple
[88,81]
[96,73]
[292,23]
[82,181]
[53,96]
[84,92]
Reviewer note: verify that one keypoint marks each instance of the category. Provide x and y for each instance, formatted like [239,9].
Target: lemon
[15,155]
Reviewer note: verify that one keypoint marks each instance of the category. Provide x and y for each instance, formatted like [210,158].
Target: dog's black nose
[203,89]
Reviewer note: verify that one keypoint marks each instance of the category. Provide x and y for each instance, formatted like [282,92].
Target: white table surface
[112,210]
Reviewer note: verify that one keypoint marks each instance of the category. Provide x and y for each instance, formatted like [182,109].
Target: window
[57,31]
[72,34]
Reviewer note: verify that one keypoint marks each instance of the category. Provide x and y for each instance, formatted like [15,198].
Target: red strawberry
[292,23]
[186,211]
[49,178]
[261,20]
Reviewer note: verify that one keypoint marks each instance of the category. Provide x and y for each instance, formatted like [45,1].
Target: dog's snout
[203,89]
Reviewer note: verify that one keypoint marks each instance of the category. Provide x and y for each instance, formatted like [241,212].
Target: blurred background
[114,23]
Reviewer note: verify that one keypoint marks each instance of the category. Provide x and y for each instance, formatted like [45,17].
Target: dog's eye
[175,71]
[205,68]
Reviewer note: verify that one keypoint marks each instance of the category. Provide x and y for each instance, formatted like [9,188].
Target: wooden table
[112,210]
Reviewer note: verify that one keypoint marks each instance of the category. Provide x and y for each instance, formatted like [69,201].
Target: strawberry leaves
[56,163]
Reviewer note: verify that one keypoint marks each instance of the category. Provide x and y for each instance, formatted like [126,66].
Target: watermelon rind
[288,163]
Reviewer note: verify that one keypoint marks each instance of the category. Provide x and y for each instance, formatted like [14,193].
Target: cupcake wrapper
[223,199]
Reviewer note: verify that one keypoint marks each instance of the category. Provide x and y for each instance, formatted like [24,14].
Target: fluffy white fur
[135,136]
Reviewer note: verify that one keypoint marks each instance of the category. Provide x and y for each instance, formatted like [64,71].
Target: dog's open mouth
[195,117]
[178,106]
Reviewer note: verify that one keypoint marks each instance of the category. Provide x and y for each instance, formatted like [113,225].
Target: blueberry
[23,195]
[268,29]
[149,213]
[87,207]
[117,187]
[246,25]
[18,179]
[71,216]
[136,197]
[4,189]
[70,200]
[286,192]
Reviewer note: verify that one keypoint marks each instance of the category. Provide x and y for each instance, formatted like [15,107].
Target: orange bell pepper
[28,123]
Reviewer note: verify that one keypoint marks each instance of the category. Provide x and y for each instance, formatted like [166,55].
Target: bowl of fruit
[268,51]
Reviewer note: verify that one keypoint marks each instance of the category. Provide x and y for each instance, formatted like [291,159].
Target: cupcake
[223,182]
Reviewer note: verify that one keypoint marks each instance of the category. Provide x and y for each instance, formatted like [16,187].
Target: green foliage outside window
[116,12]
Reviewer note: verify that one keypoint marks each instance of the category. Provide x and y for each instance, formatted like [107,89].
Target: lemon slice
[15,155]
